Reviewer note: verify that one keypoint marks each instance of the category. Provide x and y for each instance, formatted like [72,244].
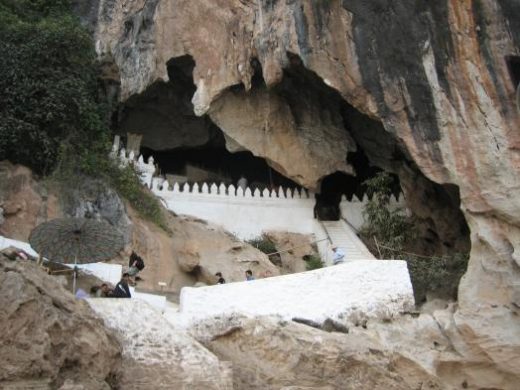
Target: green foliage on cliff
[389,232]
[49,104]
[312,262]
[51,116]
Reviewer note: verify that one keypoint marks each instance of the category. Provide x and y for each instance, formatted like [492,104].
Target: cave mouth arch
[180,140]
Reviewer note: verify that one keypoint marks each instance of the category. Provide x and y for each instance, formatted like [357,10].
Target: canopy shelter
[76,241]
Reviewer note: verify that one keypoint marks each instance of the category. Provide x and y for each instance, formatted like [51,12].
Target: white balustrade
[246,212]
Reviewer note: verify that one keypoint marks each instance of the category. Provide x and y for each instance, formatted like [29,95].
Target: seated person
[122,290]
[339,255]
[220,280]
[249,275]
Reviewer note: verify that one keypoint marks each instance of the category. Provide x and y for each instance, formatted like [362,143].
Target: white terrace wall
[244,213]
[247,214]
[368,288]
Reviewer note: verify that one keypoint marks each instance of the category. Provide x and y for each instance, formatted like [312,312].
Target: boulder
[49,339]
[156,354]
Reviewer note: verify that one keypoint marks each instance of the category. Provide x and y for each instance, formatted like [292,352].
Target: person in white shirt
[339,255]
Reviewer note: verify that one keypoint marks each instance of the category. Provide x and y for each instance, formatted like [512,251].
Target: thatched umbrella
[77,241]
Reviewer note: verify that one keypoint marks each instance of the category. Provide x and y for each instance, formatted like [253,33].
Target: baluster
[232,190]
[256,193]
[195,189]
[205,188]
[176,188]
[165,186]
[265,193]
[222,189]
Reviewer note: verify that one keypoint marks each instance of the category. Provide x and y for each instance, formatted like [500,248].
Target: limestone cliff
[422,87]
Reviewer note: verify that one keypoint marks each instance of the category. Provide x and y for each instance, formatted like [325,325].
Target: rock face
[24,201]
[438,77]
[207,249]
[155,354]
[268,353]
[47,337]
[294,248]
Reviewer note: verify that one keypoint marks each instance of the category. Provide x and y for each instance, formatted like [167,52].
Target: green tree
[389,227]
[49,103]
[388,232]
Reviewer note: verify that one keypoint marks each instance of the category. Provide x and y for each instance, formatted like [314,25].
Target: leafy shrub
[263,243]
[388,233]
[127,184]
[312,262]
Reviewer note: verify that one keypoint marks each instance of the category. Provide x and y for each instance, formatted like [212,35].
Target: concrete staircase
[343,236]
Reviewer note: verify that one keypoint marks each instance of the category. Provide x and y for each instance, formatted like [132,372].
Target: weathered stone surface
[217,251]
[268,353]
[303,141]
[47,337]
[155,353]
[20,200]
[294,248]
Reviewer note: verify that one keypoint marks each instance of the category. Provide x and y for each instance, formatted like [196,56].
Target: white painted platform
[368,288]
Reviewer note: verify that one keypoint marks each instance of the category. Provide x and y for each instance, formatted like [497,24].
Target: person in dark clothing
[122,290]
[249,275]
[135,265]
[220,280]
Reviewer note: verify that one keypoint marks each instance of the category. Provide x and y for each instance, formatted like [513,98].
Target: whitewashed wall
[368,288]
[246,214]
[352,210]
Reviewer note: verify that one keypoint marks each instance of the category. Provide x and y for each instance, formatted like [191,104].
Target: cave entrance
[340,185]
[188,148]
[438,221]
[213,164]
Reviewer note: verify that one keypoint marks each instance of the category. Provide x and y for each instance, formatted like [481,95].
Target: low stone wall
[358,289]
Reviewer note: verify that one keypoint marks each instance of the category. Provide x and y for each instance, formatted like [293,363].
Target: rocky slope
[422,87]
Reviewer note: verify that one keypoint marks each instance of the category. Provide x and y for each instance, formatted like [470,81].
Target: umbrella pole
[74,277]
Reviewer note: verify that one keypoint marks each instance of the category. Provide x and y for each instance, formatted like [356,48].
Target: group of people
[122,289]
[248,274]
